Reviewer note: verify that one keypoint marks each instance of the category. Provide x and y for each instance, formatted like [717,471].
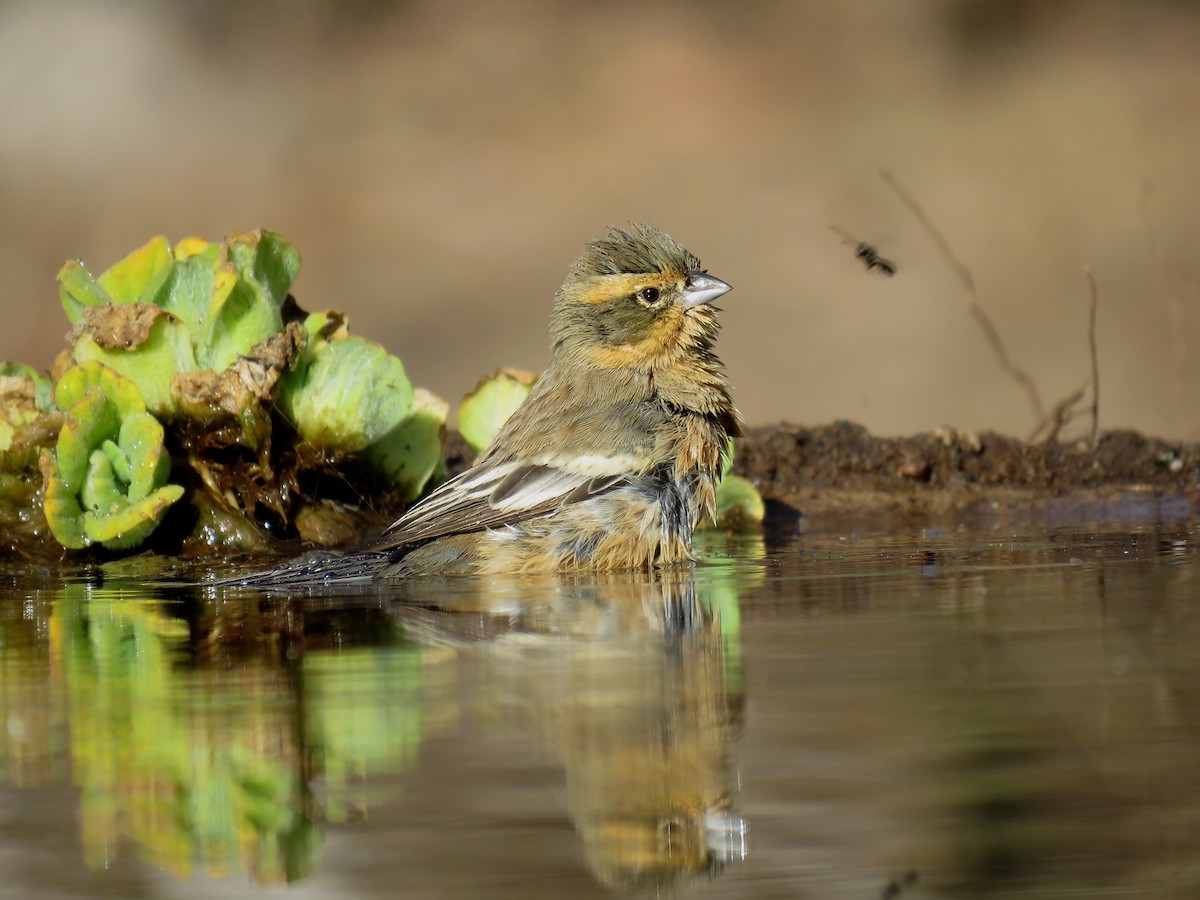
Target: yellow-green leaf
[130,526]
[739,504]
[77,290]
[346,394]
[126,280]
[412,452]
[64,515]
[484,411]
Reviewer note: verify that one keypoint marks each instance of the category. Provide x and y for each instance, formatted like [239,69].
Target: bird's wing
[493,495]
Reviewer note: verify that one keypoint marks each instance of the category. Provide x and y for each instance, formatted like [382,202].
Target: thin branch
[1095,302]
[964,274]
[1064,411]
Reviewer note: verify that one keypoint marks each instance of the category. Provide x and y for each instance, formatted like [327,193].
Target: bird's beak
[702,288]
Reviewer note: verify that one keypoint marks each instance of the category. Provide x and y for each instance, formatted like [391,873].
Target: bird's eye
[649,295]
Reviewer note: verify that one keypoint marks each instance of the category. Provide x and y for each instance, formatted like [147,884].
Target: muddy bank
[840,468]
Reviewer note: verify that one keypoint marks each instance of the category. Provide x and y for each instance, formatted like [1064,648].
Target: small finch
[614,457]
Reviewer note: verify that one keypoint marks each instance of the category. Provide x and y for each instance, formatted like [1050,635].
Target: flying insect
[866,252]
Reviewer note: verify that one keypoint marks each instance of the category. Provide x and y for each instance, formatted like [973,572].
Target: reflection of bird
[867,253]
[611,460]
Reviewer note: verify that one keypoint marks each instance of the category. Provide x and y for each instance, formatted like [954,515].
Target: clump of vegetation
[25,396]
[194,364]
[105,480]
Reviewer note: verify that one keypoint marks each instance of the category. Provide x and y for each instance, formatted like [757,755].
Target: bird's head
[635,299]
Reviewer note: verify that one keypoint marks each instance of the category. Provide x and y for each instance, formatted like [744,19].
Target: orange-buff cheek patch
[644,353]
[611,287]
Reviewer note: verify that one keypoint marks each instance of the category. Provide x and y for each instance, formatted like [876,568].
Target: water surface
[878,710]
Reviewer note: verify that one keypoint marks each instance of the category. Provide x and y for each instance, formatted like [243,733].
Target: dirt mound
[834,467]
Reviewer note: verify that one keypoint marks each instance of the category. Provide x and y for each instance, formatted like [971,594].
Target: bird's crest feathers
[638,250]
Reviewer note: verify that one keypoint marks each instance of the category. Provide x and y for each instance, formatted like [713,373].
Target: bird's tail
[313,570]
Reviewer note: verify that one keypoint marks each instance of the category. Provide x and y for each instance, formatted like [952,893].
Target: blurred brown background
[438,165]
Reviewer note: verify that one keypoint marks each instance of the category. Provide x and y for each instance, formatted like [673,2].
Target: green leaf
[183,289]
[245,307]
[276,263]
[17,370]
[189,247]
[484,411]
[24,397]
[61,506]
[43,386]
[166,350]
[78,290]
[104,481]
[100,492]
[126,280]
[117,458]
[130,526]
[120,391]
[245,318]
[739,504]
[89,422]
[346,394]
[412,452]
[141,441]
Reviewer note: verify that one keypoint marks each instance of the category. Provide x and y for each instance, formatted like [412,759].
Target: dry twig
[1064,411]
[964,274]
[1092,306]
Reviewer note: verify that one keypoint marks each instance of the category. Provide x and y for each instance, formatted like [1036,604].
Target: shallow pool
[876,710]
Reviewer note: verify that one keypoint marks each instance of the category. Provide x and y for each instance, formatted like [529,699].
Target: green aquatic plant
[105,480]
[222,298]
[348,395]
[364,717]
[25,395]
[221,355]
[159,313]
[413,453]
[209,334]
[496,397]
[739,504]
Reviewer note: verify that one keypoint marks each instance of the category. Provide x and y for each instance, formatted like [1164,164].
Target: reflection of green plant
[208,765]
[365,717]
[185,773]
[720,583]
[125,752]
[106,479]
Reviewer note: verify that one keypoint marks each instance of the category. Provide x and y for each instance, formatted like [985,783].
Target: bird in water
[614,457]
